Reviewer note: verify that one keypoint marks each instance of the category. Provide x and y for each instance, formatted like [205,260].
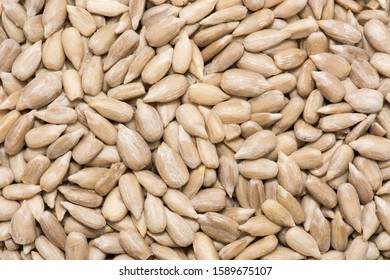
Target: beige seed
[167,89]
[204,248]
[206,200]
[361,184]
[171,167]
[76,246]
[30,56]
[258,169]
[244,83]
[178,229]
[20,191]
[277,213]
[52,229]
[7,121]
[54,16]
[383,210]
[134,244]
[254,22]
[372,147]
[208,35]
[302,242]
[54,175]
[340,31]
[81,19]
[219,227]
[110,178]
[340,121]
[289,8]
[365,100]
[47,250]
[23,226]
[320,230]
[86,216]
[15,138]
[350,205]
[82,197]
[268,38]
[151,182]
[258,249]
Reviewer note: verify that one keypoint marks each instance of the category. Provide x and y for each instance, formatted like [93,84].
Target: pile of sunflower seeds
[207,129]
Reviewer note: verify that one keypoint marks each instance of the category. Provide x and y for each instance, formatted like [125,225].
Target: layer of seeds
[194,129]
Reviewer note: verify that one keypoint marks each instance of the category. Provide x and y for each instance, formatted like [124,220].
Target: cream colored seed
[175,130]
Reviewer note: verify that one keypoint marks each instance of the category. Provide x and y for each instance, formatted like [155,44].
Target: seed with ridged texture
[277,213]
[54,175]
[219,227]
[132,148]
[15,138]
[340,31]
[302,242]
[168,89]
[258,249]
[377,35]
[134,244]
[40,91]
[365,100]
[372,147]
[54,16]
[189,117]
[23,226]
[171,166]
[86,216]
[178,229]
[268,38]
[244,83]
[383,212]
[52,229]
[349,203]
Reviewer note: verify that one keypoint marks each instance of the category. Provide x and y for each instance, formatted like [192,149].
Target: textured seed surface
[202,129]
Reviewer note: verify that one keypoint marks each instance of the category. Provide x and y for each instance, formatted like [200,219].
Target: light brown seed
[20,191]
[177,228]
[333,64]
[277,213]
[212,199]
[340,31]
[341,121]
[383,210]
[47,250]
[258,169]
[23,226]
[254,22]
[320,230]
[321,191]
[109,179]
[258,249]
[302,242]
[54,175]
[350,205]
[54,16]
[81,19]
[134,244]
[151,182]
[52,229]
[268,38]
[171,166]
[204,248]
[219,227]
[86,216]
[289,8]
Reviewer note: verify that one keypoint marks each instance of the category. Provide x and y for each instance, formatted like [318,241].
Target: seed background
[207,129]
